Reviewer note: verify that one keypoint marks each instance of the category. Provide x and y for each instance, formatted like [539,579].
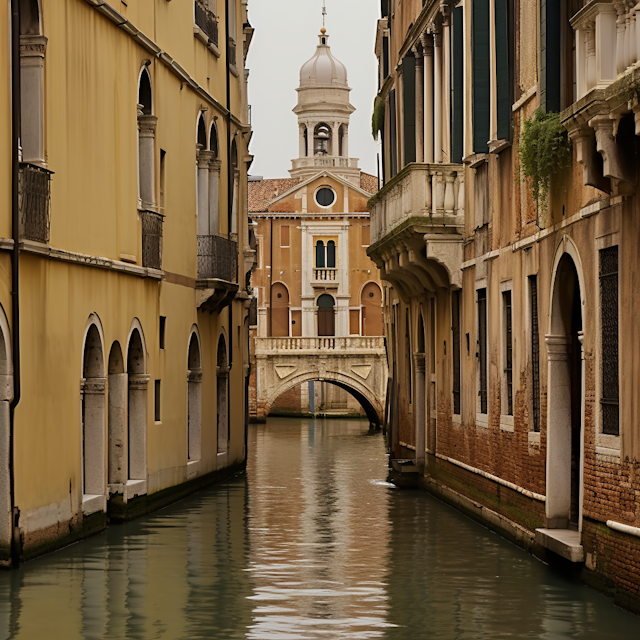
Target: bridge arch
[373,406]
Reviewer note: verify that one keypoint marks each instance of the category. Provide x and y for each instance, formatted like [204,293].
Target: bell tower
[324,112]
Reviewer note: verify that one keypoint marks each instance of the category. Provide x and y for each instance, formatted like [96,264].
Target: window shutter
[550,55]
[504,68]
[409,106]
[481,76]
[393,134]
[457,86]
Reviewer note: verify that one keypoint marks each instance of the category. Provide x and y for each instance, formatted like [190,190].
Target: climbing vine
[544,149]
[377,119]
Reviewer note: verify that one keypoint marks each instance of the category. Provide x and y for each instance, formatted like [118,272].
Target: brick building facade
[509,317]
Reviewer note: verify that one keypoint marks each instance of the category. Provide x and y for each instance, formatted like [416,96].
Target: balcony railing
[325,275]
[217,259]
[350,343]
[207,21]
[34,202]
[151,239]
[429,190]
[326,161]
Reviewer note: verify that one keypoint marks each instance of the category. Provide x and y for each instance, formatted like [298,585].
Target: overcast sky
[286,36]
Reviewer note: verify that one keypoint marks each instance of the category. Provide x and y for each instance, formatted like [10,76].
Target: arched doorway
[93,415]
[371,309]
[565,399]
[6,394]
[326,315]
[420,399]
[194,400]
[279,310]
[137,383]
[118,441]
[223,396]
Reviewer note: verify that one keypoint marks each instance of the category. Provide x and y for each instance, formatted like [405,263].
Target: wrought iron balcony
[34,202]
[206,20]
[151,239]
[217,259]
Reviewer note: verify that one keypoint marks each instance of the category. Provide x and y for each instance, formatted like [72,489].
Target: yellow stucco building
[124,253]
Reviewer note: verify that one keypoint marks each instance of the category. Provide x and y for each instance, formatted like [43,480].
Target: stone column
[138,426]
[146,159]
[303,135]
[335,139]
[427,52]
[234,209]
[419,104]
[345,141]
[420,410]
[93,390]
[32,51]
[437,97]
[309,140]
[446,86]
[118,441]
[620,36]
[204,158]
[214,197]
[558,431]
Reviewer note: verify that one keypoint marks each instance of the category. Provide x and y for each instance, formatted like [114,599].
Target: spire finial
[324,13]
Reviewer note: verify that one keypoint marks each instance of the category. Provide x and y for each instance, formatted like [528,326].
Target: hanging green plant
[377,119]
[544,149]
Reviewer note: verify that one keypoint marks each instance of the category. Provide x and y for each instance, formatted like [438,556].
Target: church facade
[313,278]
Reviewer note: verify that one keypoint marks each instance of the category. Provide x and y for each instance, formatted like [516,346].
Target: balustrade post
[449,198]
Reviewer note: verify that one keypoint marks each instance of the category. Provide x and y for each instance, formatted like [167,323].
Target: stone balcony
[417,223]
[325,278]
[304,168]
[217,282]
[605,119]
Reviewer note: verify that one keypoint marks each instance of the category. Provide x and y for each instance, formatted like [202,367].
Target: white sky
[286,36]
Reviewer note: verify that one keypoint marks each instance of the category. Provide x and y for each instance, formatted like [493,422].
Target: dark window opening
[455,328]
[409,107]
[393,135]
[482,349]
[508,346]
[331,254]
[320,255]
[481,76]
[163,324]
[157,401]
[457,86]
[535,352]
[504,66]
[325,197]
[610,393]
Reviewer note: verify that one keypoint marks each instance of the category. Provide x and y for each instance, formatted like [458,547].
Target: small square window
[163,324]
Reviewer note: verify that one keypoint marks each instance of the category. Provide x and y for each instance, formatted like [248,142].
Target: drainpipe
[15,299]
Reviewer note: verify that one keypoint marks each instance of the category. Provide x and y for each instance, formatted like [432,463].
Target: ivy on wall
[544,149]
[377,119]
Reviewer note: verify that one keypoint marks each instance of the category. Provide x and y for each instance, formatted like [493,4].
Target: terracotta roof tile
[262,192]
[368,182]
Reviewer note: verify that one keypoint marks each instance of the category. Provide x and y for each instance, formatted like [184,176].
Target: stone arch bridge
[356,364]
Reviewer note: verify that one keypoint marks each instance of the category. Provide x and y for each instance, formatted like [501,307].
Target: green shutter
[457,87]
[504,69]
[550,55]
[409,108]
[481,76]
[393,134]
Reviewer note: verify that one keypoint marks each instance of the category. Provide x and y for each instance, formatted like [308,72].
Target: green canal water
[310,544]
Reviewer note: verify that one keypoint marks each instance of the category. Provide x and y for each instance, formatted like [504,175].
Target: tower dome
[323,68]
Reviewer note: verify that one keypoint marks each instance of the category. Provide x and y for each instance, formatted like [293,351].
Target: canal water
[311,543]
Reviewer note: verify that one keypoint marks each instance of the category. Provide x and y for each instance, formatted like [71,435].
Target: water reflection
[311,543]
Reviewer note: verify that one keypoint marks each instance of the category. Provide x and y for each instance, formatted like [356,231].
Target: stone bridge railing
[349,345]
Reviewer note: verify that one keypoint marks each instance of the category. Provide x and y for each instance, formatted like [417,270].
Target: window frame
[482,418]
[506,411]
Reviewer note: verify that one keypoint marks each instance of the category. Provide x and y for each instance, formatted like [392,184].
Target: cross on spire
[324,13]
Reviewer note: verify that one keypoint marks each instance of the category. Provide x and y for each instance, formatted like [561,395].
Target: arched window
[371,307]
[213,140]
[203,159]
[326,315]
[32,53]
[331,254]
[322,140]
[214,182]
[137,382]
[222,379]
[93,418]
[146,143]
[279,310]
[194,400]
[320,255]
